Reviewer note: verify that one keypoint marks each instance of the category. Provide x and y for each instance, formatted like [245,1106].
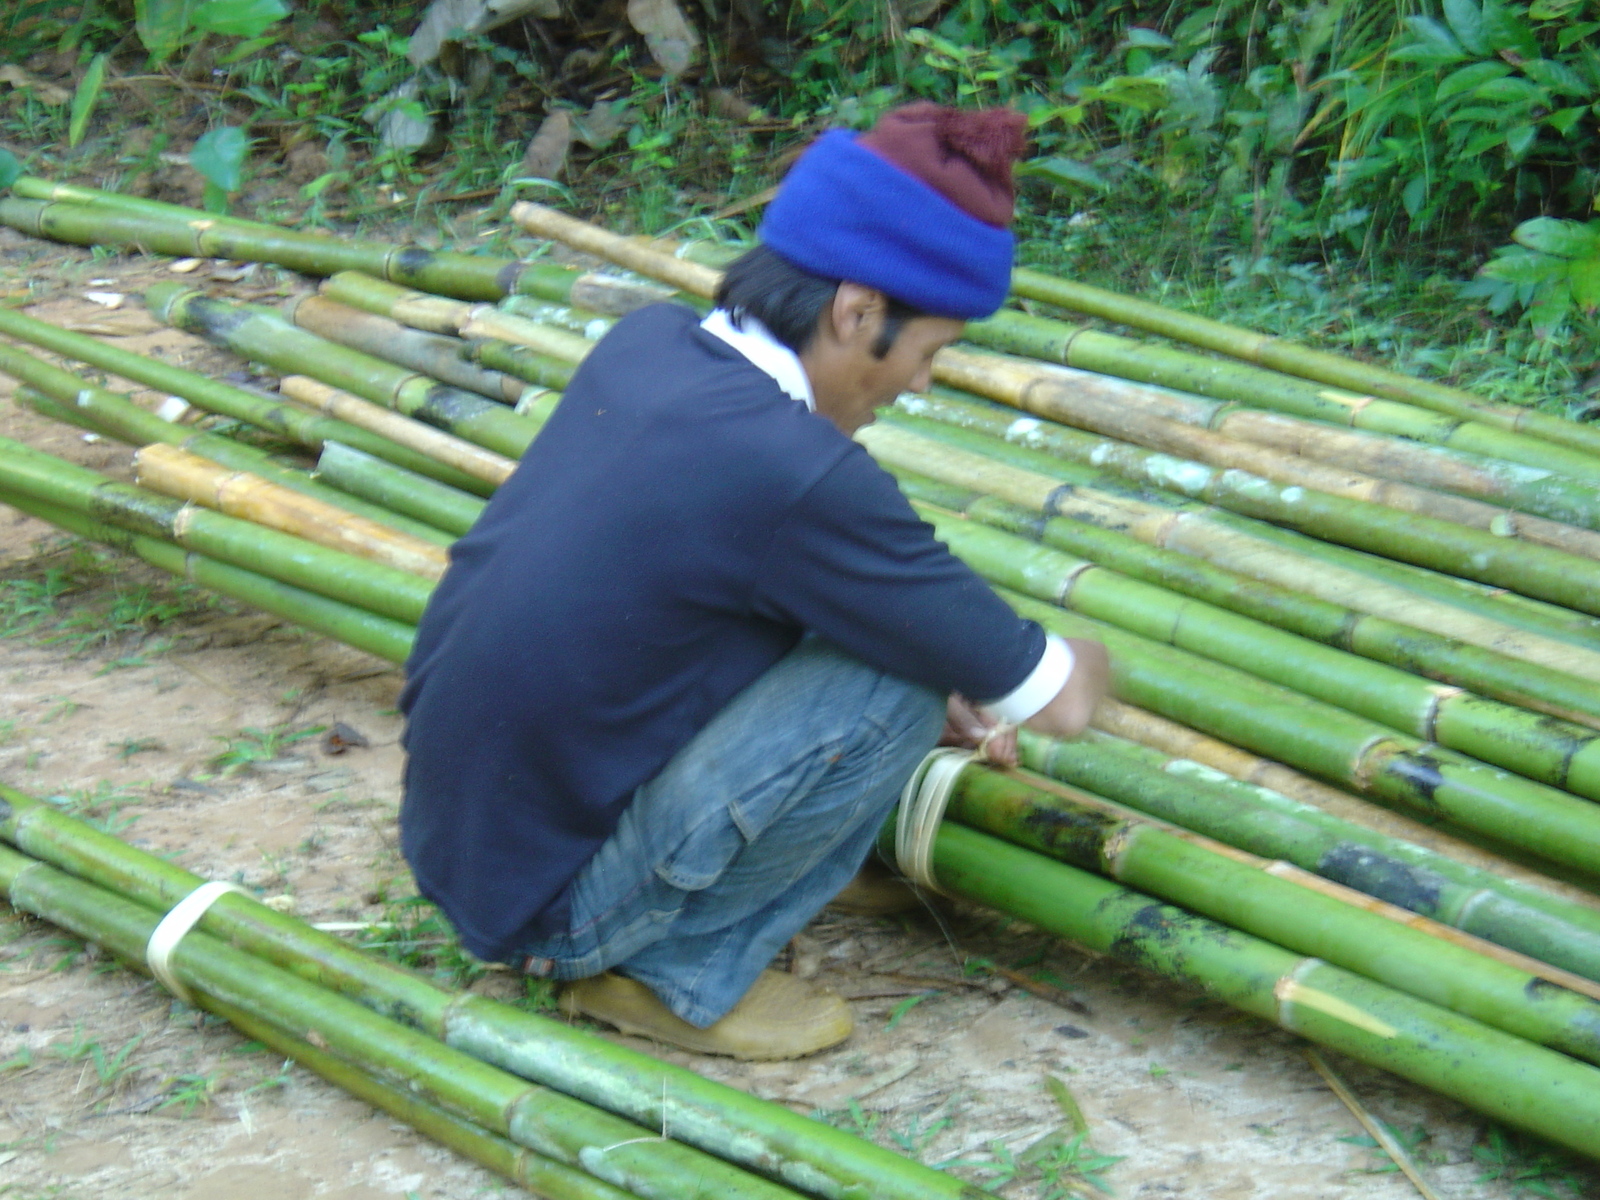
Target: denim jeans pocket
[700,859]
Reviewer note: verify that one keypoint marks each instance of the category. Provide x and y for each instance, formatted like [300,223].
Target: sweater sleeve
[853,563]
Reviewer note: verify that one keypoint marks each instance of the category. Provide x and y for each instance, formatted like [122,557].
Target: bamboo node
[1291,993]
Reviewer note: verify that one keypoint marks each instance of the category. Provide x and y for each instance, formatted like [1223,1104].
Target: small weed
[20,1061]
[100,806]
[127,749]
[111,1067]
[1531,1167]
[900,1010]
[414,934]
[539,996]
[189,1092]
[253,744]
[271,1083]
[8,731]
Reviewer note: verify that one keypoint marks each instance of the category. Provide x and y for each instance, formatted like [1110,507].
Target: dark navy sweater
[668,537]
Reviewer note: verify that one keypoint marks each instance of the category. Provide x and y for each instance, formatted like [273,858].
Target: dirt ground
[1195,1100]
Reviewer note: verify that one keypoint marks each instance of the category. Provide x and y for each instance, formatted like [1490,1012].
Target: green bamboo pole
[1419,651]
[1052,487]
[1288,910]
[380,636]
[1535,570]
[383,483]
[436,355]
[1279,354]
[766,1137]
[581,321]
[413,309]
[267,337]
[107,413]
[1534,746]
[1521,915]
[368,585]
[524,362]
[632,1157]
[286,420]
[1341,747]
[32,187]
[1502,1076]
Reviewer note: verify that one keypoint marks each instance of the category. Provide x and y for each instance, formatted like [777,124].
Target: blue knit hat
[918,208]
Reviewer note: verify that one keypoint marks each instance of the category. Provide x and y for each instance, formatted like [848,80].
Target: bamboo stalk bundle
[1289,357]
[1451,1054]
[174,472]
[1200,536]
[1075,403]
[267,337]
[378,588]
[476,461]
[1415,650]
[628,1156]
[1534,746]
[436,355]
[394,488]
[1415,869]
[721,1120]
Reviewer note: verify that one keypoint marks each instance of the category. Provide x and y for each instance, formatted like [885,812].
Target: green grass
[254,744]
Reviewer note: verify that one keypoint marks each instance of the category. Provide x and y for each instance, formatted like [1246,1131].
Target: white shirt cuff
[1038,689]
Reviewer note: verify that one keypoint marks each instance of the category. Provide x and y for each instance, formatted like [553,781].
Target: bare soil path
[109,1089]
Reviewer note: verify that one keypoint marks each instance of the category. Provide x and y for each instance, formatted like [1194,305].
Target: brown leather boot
[780,1017]
[875,892]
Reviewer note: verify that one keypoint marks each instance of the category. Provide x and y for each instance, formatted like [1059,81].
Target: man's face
[849,381]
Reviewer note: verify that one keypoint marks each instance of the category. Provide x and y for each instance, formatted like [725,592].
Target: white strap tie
[922,804]
[180,919]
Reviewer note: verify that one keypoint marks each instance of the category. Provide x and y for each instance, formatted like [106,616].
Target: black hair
[790,302]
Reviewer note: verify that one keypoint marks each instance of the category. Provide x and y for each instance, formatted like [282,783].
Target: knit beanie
[919,207]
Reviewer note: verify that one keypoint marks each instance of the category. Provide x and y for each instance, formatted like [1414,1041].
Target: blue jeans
[747,832]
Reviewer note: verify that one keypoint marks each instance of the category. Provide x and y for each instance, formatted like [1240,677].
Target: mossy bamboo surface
[381,636]
[1524,684]
[767,1137]
[524,362]
[372,586]
[1500,1075]
[948,455]
[486,469]
[436,355]
[268,337]
[1077,404]
[1291,358]
[385,484]
[174,472]
[1289,907]
[1534,746]
[107,413]
[628,1156]
[1452,884]
[1335,745]
[211,395]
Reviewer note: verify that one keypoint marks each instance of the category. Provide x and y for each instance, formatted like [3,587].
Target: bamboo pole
[1338,837]
[377,588]
[524,362]
[940,456]
[267,337]
[632,1157]
[1076,403]
[1500,1075]
[436,355]
[486,321]
[380,636]
[545,222]
[581,321]
[1282,904]
[174,472]
[385,484]
[413,309]
[481,464]
[1534,746]
[766,1137]
[1279,354]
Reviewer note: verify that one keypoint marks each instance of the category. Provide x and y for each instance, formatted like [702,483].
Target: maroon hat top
[963,154]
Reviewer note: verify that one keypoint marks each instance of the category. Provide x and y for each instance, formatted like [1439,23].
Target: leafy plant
[219,155]
[165,26]
[253,744]
[1551,271]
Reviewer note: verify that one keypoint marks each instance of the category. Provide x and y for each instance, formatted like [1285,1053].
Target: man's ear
[857,312]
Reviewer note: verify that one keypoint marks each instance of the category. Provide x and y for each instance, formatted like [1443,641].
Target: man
[679,672]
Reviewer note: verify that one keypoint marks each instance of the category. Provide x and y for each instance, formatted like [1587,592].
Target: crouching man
[677,675]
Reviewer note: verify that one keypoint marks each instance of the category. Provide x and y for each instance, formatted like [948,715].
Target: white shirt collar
[764,351]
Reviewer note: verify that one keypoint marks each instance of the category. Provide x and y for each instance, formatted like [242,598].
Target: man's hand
[966,727]
[1068,714]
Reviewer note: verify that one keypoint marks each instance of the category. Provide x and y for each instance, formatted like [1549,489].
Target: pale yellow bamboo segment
[418,310]
[1120,843]
[545,222]
[902,448]
[486,321]
[1205,753]
[435,443]
[174,472]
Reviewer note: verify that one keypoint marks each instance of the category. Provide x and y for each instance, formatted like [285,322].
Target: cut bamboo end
[435,443]
[545,222]
[186,476]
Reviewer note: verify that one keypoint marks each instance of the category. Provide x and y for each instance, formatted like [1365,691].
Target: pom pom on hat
[918,208]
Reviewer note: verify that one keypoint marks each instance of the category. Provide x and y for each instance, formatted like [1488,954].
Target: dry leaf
[671,39]
[546,155]
[105,299]
[184,265]
[45,93]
